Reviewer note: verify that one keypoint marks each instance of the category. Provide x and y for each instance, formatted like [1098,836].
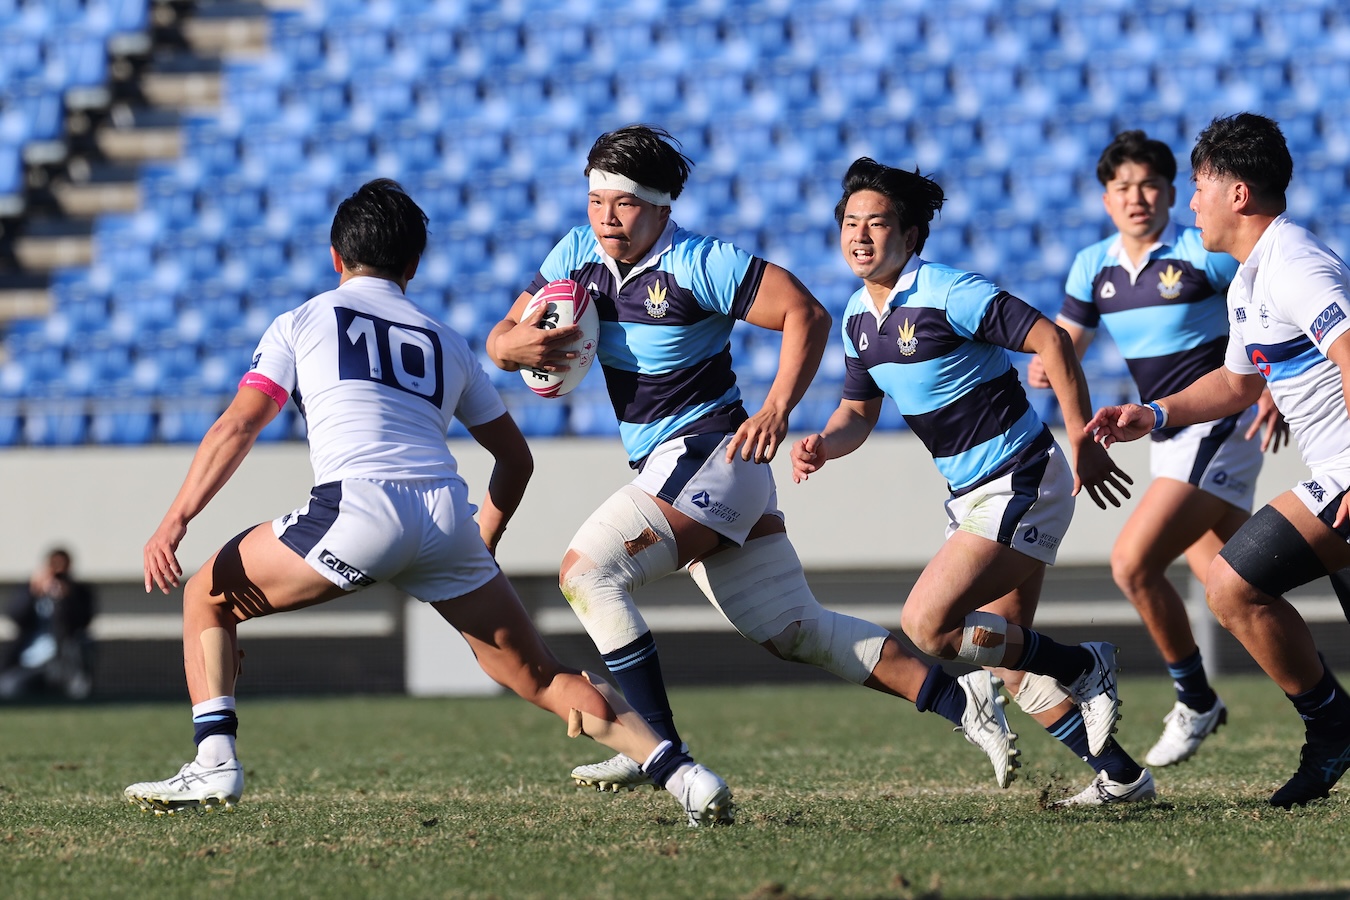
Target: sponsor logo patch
[1316,490]
[1326,320]
[715,508]
[257,358]
[349,572]
[1240,315]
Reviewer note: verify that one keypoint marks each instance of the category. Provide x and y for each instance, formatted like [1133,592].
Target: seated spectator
[54,651]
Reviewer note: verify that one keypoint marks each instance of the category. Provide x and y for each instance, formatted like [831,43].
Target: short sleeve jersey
[1289,302]
[938,350]
[665,330]
[1168,318]
[377,380]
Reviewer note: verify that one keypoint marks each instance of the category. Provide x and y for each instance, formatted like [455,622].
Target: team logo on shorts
[701,500]
[1169,283]
[1033,536]
[349,572]
[1325,320]
[909,344]
[1318,492]
[656,302]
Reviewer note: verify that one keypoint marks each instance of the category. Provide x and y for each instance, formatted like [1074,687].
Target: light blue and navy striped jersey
[938,352]
[665,330]
[1169,318]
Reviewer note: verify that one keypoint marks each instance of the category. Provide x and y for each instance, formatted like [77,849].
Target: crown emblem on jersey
[1169,283]
[909,344]
[656,302]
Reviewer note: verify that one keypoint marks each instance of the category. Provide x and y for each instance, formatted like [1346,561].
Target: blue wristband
[1159,416]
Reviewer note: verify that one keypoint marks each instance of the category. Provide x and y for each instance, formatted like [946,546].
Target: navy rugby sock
[637,668]
[941,694]
[666,760]
[1325,707]
[1044,656]
[1118,765]
[1192,686]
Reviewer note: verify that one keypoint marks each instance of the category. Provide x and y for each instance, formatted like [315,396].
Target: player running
[378,381]
[704,496]
[1160,294]
[935,339]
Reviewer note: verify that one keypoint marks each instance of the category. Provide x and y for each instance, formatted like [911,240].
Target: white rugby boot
[1097,695]
[706,798]
[614,774]
[1184,730]
[194,785]
[985,725]
[1103,791]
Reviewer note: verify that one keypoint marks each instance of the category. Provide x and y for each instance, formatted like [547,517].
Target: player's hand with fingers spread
[808,455]
[1095,470]
[759,437]
[528,345]
[1127,422]
[160,556]
[1269,418]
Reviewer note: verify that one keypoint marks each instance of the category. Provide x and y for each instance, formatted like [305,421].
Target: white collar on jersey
[906,281]
[1166,238]
[664,242]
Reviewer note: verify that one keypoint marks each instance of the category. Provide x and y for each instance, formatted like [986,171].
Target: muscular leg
[253,575]
[1172,518]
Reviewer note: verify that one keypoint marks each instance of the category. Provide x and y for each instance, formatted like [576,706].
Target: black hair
[645,153]
[1137,147]
[379,227]
[1250,148]
[916,198]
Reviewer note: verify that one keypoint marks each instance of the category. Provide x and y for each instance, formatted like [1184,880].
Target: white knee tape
[762,591]
[625,544]
[983,639]
[1039,693]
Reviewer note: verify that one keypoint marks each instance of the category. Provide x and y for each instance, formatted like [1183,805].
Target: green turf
[841,793]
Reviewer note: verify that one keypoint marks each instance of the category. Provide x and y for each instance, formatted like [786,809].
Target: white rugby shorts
[419,536]
[1028,509]
[1213,456]
[691,474]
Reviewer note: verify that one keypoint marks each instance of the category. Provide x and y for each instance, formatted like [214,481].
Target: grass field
[841,793]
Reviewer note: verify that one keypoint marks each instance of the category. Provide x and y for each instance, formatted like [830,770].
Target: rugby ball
[566,303]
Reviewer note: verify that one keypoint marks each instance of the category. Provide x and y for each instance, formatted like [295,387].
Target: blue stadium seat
[1096,25]
[123,418]
[496,38]
[820,30]
[78,57]
[58,420]
[196,254]
[121,248]
[11,423]
[714,85]
[346,147]
[186,419]
[38,104]
[382,96]
[427,38]
[359,51]
[848,83]
[648,92]
[687,35]
[1298,21]
[405,146]
[20,55]
[294,38]
[1235,23]
[256,252]
[212,147]
[587,85]
[535,143]
[300,200]
[472,145]
[238,201]
[314,94]
[554,37]
[789,82]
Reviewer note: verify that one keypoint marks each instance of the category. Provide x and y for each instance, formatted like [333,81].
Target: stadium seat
[186,419]
[210,146]
[11,423]
[294,38]
[405,146]
[345,146]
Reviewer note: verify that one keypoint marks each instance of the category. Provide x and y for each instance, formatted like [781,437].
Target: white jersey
[377,380]
[1288,303]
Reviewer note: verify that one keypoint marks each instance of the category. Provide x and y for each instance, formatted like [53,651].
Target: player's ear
[337,261]
[411,269]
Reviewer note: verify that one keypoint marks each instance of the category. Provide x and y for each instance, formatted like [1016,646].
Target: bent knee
[1227,593]
[926,633]
[1131,573]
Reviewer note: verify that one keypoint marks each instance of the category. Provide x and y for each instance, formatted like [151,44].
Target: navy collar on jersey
[663,243]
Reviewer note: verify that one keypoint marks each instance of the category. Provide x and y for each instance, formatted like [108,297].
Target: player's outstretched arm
[846,431]
[221,451]
[1093,467]
[517,341]
[513,464]
[783,304]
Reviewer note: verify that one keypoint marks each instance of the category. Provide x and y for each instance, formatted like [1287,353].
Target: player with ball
[704,496]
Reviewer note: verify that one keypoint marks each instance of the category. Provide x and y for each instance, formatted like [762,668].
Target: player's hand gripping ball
[567,303]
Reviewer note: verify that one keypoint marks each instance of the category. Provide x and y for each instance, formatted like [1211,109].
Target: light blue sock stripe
[1068,727]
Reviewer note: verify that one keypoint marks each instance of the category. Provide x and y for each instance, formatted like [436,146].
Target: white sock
[215,749]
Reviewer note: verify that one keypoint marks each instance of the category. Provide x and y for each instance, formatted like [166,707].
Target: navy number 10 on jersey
[404,357]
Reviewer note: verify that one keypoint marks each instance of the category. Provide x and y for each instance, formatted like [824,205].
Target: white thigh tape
[762,591]
[1039,693]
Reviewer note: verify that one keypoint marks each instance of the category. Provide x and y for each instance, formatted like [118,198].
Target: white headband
[608,181]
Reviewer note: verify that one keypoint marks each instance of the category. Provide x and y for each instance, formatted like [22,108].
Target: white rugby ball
[568,303]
